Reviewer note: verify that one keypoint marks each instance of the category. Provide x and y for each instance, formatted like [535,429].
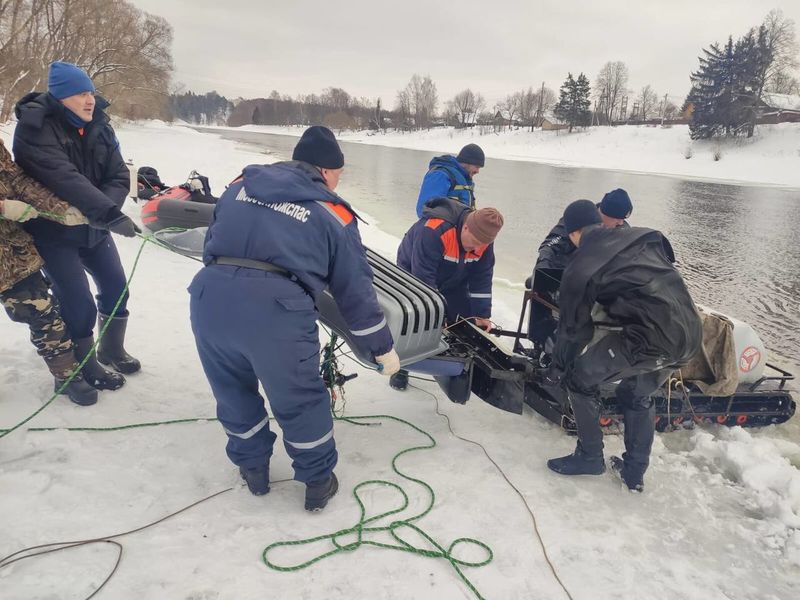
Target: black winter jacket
[556,249]
[87,170]
[627,271]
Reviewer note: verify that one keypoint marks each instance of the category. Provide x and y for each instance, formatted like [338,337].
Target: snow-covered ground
[771,157]
[720,518]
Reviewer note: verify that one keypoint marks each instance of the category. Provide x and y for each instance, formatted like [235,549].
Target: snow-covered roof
[782,101]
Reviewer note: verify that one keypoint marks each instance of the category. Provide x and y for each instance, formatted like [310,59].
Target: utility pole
[541,106]
[664,110]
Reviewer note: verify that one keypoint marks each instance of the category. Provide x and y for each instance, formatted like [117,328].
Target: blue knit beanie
[66,79]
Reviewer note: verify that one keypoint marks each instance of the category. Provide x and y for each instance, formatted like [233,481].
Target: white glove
[14,210]
[74,217]
[390,363]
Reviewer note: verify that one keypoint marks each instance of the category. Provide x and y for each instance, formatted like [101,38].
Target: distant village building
[779,108]
[502,120]
[549,122]
[467,119]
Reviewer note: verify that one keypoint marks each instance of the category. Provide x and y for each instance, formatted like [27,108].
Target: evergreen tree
[727,87]
[196,108]
[573,103]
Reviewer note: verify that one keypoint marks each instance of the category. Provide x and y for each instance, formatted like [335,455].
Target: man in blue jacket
[451,248]
[63,139]
[451,177]
[279,237]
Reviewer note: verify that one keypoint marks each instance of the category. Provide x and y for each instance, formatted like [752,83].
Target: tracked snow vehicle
[465,360]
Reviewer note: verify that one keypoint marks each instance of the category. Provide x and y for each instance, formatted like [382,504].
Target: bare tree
[403,108]
[423,99]
[668,109]
[336,98]
[648,103]
[610,87]
[510,107]
[782,42]
[126,51]
[466,103]
[545,100]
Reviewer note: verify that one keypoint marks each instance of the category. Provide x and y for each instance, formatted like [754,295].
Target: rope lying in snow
[360,530]
[59,546]
[367,526]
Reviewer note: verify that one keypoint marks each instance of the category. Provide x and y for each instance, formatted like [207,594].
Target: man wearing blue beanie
[64,140]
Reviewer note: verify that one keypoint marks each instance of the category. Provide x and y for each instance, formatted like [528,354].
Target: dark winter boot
[95,375]
[318,493]
[633,481]
[578,463]
[399,381]
[639,433]
[110,351]
[62,366]
[257,479]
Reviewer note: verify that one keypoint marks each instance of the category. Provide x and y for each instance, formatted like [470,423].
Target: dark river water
[737,246]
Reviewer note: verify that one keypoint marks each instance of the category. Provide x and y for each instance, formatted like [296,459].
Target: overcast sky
[372,48]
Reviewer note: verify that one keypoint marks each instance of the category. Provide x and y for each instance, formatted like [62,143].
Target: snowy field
[771,157]
[720,518]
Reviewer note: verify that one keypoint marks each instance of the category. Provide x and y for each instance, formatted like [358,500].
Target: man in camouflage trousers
[23,291]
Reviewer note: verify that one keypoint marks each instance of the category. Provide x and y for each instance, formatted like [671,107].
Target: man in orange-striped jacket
[451,249]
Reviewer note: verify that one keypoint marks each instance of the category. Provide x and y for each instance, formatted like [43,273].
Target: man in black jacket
[555,253]
[625,272]
[64,140]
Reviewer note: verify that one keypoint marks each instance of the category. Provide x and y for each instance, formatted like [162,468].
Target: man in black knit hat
[556,251]
[451,177]
[279,238]
[625,273]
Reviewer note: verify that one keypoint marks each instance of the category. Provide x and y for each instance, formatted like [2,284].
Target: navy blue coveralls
[252,325]
[431,250]
[83,167]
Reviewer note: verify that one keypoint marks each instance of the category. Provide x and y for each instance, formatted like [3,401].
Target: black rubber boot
[78,390]
[634,482]
[257,479]
[95,375]
[399,381]
[111,349]
[318,493]
[639,434]
[62,366]
[578,463]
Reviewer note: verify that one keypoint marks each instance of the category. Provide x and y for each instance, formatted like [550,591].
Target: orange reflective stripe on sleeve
[450,244]
[339,211]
